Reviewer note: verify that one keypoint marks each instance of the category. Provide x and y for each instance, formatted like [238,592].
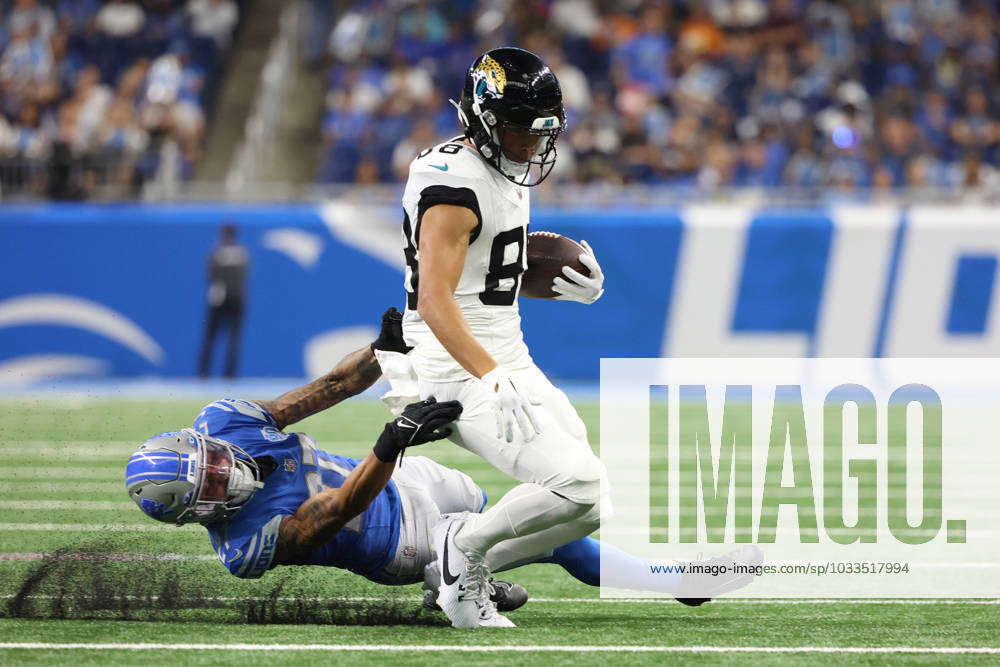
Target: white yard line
[671,601]
[96,528]
[26,485]
[66,474]
[30,444]
[28,447]
[141,527]
[65,505]
[20,557]
[781,601]
[520,648]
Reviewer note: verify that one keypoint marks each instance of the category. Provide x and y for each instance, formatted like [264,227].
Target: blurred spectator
[25,65]
[407,85]
[89,103]
[830,32]
[934,120]
[783,26]
[30,136]
[718,169]
[736,14]
[119,25]
[572,80]
[977,128]
[805,168]
[120,19]
[709,93]
[29,15]
[111,93]
[213,19]
[699,34]
[972,174]
[641,58]
[420,137]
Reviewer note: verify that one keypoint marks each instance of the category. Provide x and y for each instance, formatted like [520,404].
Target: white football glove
[579,287]
[511,405]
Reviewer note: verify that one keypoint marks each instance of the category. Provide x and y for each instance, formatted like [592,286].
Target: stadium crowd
[705,93]
[111,92]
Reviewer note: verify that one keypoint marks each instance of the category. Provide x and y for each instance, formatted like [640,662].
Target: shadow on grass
[92,581]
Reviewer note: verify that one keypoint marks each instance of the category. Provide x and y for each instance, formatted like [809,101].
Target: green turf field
[61,486]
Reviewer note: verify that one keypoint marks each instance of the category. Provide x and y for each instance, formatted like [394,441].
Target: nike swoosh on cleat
[442,167]
[445,574]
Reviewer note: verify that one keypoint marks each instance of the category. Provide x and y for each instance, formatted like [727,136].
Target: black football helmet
[512,90]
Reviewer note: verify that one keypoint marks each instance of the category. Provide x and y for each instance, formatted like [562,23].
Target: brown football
[548,253]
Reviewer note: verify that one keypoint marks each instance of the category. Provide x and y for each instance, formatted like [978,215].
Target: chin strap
[482,145]
[462,118]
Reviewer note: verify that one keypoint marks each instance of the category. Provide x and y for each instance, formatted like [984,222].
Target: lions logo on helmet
[183,476]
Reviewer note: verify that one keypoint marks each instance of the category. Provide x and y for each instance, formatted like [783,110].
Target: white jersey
[454,173]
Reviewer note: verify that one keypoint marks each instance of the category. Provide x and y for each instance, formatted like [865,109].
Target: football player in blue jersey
[271,498]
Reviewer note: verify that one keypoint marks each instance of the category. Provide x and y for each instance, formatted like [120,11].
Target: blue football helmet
[183,476]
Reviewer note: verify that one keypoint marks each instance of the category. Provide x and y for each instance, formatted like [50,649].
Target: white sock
[589,560]
[623,570]
[525,510]
[531,548]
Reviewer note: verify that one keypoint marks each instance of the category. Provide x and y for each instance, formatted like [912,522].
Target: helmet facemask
[223,482]
[541,160]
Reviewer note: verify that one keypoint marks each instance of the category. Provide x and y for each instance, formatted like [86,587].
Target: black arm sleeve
[433,195]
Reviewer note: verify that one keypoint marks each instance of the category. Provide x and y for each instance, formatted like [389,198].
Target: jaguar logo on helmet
[490,76]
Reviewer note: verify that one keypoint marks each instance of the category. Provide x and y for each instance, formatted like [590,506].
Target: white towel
[403,386]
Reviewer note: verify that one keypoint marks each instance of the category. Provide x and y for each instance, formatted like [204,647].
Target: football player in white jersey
[466,215]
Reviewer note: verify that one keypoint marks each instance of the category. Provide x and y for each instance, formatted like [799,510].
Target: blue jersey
[246,542]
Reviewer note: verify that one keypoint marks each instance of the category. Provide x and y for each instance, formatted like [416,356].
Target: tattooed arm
[318,519]
[355,373]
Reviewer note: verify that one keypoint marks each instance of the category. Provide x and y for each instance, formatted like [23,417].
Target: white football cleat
[489,617]
[464,593]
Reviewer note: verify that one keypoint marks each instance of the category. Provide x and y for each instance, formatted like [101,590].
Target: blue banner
[121,289]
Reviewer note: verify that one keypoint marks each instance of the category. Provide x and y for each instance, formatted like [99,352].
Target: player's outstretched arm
[444,241]
[355,373]
[318,519]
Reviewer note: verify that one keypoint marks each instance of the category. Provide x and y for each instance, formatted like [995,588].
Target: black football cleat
[693,602]
[506,596]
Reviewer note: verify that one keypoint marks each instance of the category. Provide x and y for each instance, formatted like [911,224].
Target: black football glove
[390,338]
[421,422]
